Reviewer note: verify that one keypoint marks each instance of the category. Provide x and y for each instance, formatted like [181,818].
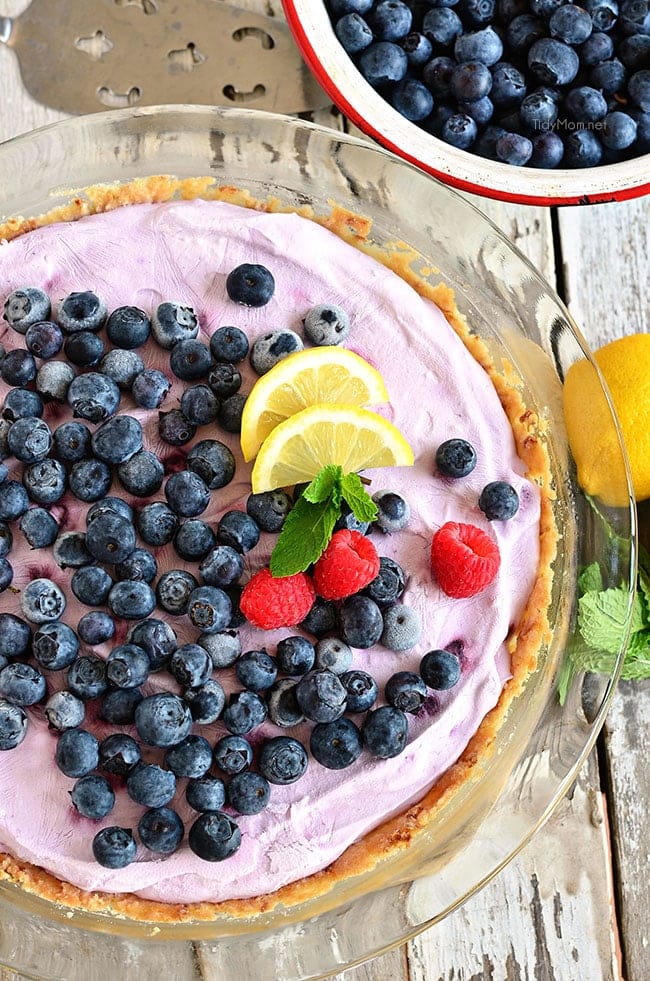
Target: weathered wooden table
[575,904]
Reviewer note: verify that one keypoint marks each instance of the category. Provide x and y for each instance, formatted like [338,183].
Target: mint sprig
[309,525]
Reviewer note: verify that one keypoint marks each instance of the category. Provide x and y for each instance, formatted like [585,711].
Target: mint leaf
[601,618]
[324,484]
[357,498]
[304,537]
[644,594]
[637,658]
[591,579]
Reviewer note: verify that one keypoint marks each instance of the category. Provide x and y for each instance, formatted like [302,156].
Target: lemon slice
[354,438]
[320,374]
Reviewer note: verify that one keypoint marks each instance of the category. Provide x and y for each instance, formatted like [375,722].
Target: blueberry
[635,17]
[190,665]
[190,359]
[545,8]
[199,405]
[42,601]
[331,654]
[393,512]
[634,51]
[33,528]
[391,20]
[174,589]
[326,324]
[30,439]
[155,637]
[13,500]
[141,475]
[230,413]
[163,719]
[194,540]
[87,677]
[508,84]
[81,311]
[232,754]
[173,322]
[619,131]
[15,636]
[412,99]
[190,758]
[638,86]
[161,830]
[18,367]
[360,690]
[406,690]
[70,550]
[39,527]
[360,621]
[321,696]
[586,104]
[127,666]
[92,796]
[499,501]
[117,439]
[45,481]
[553,62]
[269,349]
[128,327]
[44,339]
[229,344]
[598,47]
[514,149]
[55,646]
[21,684]
[244,712]
[238,530]
[26,306]
[114,847]
[321,618]
[148,784]
[436,75]
[96,627]
[6,574]
[119,754]
[222,566]
[441,26]
[283,705]
[603,13]
[571,24]
[402,628]
[150,388]
[335,745]
[63,710]
[53,380]
[523,31]
[93,396]
[13,725]
[483,47]
[214,837]
[385,732]
[295,655]
[206,702]
[22,402]
[84,349]
[609,76]
[250,284]
[122,367]
[90,480]
[71,442]
[110,538]
[209,609]
[213,461]
[77,752]
[224,647]
[459,130]
[131,599]
[248,792]
[440,670]
[340,7]
[187,494]
[206,794]
[455,458]
[539,109]
[256,670]
[119,704]
[283,760]
[224,380]
[109,505]
[140,564]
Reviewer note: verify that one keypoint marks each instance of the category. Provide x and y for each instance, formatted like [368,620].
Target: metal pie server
[82,56]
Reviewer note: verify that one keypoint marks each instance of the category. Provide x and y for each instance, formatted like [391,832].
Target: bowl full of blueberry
[531,101]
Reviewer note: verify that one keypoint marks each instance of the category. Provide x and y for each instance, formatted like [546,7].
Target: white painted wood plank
[606,251]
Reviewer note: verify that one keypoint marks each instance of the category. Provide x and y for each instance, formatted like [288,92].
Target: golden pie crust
[527,639]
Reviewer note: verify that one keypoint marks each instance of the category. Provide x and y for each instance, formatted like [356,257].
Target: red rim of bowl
[324,79]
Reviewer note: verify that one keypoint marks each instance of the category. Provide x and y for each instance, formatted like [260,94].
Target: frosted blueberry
[326,324]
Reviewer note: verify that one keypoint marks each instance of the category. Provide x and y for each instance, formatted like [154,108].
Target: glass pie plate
[542,744]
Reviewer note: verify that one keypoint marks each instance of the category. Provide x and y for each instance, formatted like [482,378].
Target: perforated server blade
[82,56]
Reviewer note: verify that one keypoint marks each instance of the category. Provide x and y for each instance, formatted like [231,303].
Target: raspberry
[464,559]
[269,602]
[349,563]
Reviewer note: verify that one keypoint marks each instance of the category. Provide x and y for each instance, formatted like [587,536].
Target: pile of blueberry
[51,667]
[544,83]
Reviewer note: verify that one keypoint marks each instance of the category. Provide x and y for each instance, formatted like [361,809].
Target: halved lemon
[354,438]
[320,374]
